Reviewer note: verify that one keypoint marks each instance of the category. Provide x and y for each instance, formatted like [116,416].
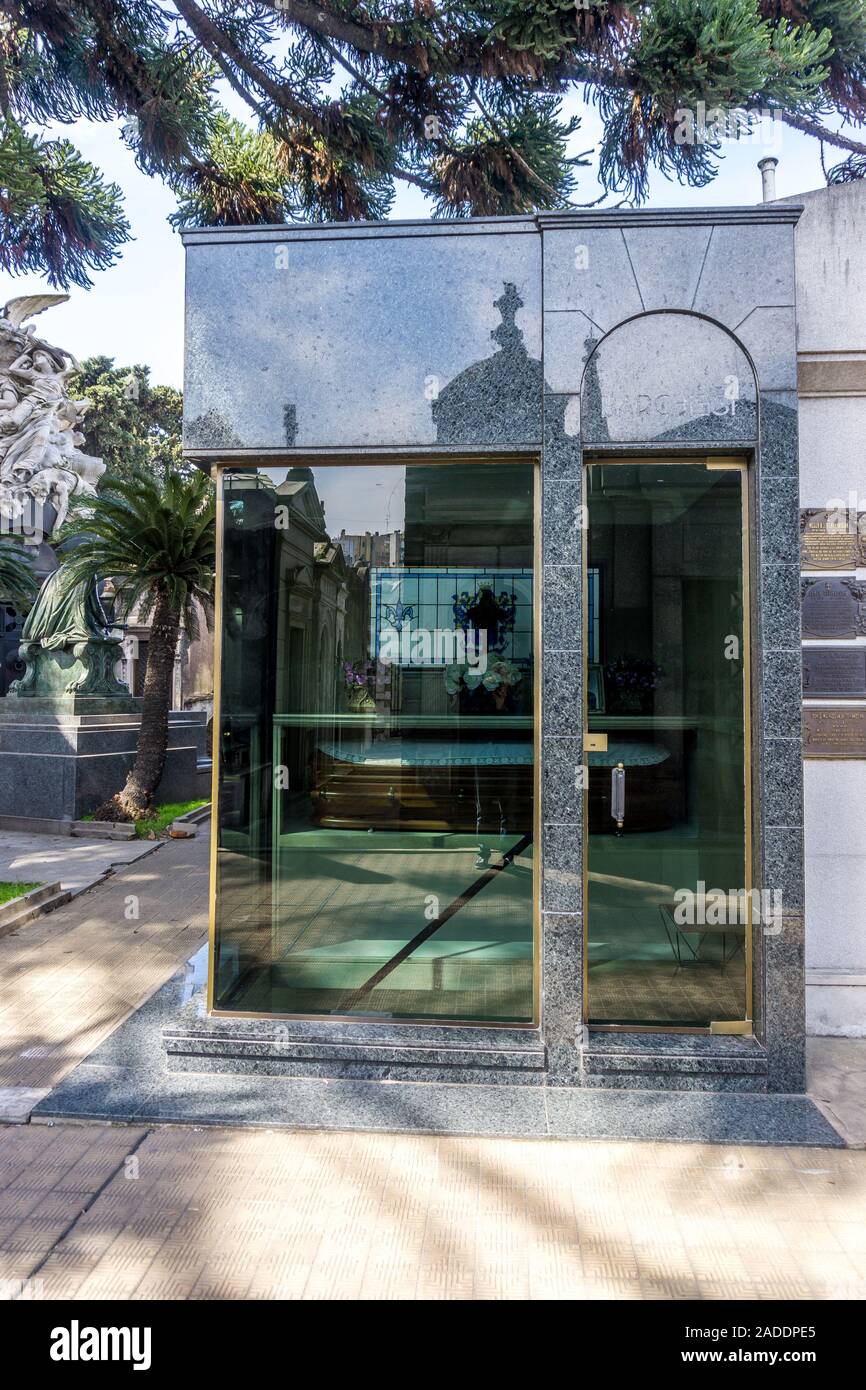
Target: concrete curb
[103,830]
[88,829]
[186,826]
[33,904]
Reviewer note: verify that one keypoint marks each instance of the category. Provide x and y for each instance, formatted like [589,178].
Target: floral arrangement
[357,673]
[631,679]
[498,677]
[358,677]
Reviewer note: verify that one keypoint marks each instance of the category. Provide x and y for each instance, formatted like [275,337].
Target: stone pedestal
[82,668]
[61,757]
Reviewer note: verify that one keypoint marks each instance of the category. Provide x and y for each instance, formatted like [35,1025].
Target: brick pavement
[68,979]
[175,1212]
[113,1212]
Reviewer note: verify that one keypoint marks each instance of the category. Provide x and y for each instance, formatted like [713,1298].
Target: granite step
[367,1052]
[673,1062]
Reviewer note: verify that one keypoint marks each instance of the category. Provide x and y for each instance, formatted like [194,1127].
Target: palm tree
[154,537]
[17,582]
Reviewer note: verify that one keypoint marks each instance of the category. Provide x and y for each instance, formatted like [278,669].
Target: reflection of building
[310,599]
[373,550]
[192,680]
[495,400]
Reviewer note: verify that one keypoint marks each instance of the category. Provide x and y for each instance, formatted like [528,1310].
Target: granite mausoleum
[508,718]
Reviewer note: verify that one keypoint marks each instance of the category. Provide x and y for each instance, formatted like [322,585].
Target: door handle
[617,795]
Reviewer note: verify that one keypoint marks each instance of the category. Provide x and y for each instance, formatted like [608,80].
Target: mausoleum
[509,779]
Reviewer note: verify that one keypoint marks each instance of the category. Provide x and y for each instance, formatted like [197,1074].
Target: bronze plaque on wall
[834,733]
[834,672]
[834,608]
[832,540]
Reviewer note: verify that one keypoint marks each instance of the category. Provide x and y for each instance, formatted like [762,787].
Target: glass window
[375,851]
[670,899]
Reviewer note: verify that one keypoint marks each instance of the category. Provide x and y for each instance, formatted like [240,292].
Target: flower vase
[360,701]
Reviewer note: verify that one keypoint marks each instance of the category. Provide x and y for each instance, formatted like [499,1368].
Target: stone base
[23,706]
[198,1042]
[85,668]
[383,1051]
[126,1080]
[673,1062]
[62,756]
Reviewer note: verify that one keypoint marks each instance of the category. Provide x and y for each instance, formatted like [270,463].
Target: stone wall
[831,352]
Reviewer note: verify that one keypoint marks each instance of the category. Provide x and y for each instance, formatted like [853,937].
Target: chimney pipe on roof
[768,177]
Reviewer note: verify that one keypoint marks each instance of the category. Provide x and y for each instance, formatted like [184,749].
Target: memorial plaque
[832,540]
[834,672]
[834,608]
[835,733]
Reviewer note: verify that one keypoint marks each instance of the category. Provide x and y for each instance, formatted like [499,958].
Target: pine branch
[518,157]
[820,132]
[216,41]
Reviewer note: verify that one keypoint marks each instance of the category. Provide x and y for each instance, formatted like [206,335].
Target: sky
[134,312]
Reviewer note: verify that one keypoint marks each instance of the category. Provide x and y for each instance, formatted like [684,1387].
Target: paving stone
[16,1102]
[255,1214]
[69,979]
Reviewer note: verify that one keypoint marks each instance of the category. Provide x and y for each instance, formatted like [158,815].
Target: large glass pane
[667,904]
[376,740]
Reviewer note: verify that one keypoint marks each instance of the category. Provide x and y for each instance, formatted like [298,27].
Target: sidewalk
[115,1213]
[68,979]
[74,863]
[144,1210]
[836,1077]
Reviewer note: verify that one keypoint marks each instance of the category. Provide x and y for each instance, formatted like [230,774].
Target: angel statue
[39,420]
[68,644]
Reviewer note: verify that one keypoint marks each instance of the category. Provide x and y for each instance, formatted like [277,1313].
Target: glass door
[669,906]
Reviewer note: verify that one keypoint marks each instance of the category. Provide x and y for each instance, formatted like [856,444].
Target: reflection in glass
[666,883]
[376,742]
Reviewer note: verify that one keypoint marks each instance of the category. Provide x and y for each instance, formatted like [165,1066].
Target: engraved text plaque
[834,733]
[834,672]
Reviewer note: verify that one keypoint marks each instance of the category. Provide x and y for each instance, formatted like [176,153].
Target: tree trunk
[143,777]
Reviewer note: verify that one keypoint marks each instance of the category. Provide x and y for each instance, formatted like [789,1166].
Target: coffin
[424,784]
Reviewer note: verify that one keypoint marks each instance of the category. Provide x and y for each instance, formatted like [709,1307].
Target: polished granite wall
[532,336]
[655,324]
[348,337]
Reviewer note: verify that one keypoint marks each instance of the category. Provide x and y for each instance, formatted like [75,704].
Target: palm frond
[153,536]
[17,581]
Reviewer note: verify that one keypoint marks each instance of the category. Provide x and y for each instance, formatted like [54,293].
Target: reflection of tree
[211,430]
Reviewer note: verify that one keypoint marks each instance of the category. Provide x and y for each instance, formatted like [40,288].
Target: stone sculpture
[40,460]
[67,644]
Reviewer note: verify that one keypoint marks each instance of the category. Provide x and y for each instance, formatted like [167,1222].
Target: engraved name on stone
[833,608]
[668,406]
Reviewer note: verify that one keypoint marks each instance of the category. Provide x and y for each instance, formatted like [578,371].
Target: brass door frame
[217,472]
[721,462]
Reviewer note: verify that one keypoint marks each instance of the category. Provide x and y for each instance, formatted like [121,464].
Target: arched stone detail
[668,375]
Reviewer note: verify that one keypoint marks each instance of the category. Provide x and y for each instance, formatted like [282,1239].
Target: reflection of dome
[497,400]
